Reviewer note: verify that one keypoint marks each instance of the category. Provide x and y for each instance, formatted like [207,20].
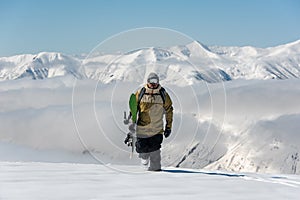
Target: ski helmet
[153,78]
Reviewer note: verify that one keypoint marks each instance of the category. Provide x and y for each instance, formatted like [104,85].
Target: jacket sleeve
[169,111]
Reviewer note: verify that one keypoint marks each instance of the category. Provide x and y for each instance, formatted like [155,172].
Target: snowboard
[133,117]
[133,107]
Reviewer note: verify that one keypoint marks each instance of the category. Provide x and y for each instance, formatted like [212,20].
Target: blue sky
[74,27]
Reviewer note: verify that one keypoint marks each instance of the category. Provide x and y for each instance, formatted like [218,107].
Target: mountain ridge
[191,63]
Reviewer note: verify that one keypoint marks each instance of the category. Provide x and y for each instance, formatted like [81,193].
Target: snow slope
[88,181]
[260,126]
[193,62]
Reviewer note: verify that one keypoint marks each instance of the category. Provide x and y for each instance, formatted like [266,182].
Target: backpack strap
[141,94]
[162,93]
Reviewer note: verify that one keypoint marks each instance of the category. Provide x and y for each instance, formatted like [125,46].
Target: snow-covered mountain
[39,66]
[46,114]
[185,64]
[280,62]
[255,130]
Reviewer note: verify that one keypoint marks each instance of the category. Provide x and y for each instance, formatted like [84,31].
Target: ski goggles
[153,81]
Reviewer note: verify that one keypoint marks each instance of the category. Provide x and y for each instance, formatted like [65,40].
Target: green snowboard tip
[133,107]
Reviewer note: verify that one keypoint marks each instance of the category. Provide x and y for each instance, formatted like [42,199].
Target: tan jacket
[151,111]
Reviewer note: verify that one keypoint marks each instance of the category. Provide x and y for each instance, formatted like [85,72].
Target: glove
[167,132]
[128,140]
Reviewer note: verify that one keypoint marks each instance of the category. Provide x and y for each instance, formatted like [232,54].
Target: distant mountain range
[183,65]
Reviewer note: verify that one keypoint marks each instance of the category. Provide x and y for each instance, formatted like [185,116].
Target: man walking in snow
[153,103]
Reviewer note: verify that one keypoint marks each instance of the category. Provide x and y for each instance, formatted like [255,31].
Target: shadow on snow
[199,172]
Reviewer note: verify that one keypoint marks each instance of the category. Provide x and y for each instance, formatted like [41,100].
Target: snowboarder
[153,102]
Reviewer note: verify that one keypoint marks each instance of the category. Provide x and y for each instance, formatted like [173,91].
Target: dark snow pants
[149,148]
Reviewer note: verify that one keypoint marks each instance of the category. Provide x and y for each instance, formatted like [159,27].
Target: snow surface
[47,181]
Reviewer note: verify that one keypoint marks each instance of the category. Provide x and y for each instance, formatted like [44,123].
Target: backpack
[162,93]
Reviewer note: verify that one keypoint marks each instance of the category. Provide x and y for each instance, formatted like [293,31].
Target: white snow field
[31,180]
[235,133]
